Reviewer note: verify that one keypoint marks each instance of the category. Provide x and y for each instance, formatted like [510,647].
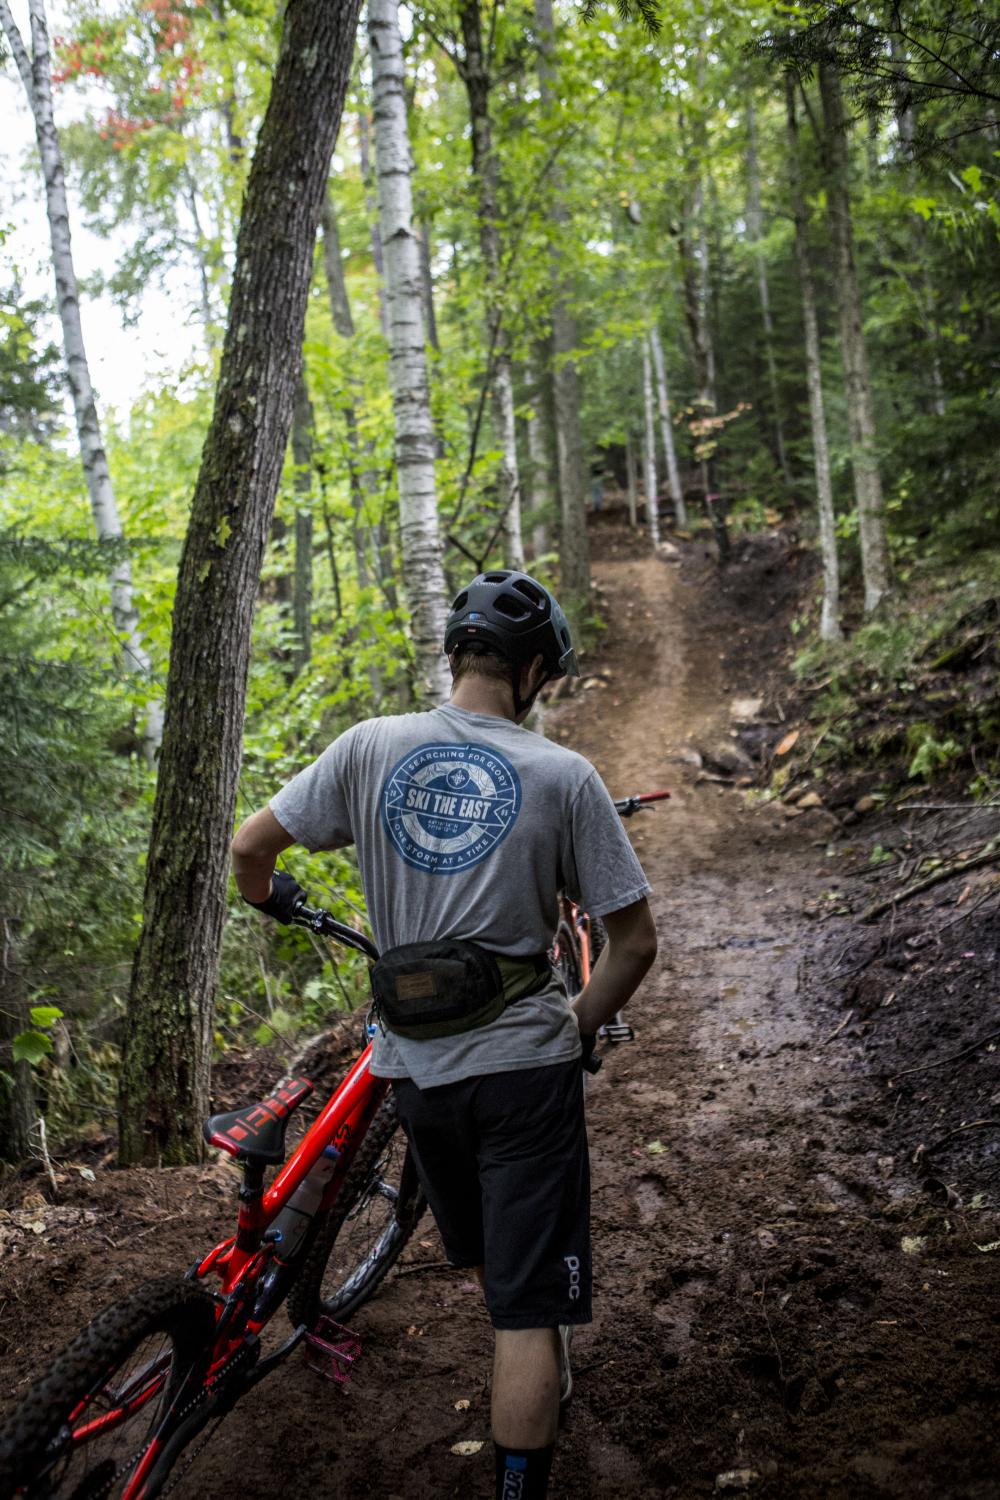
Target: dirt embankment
[781,1301]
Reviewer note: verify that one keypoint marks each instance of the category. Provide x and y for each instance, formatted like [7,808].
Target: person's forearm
[615,978]
[256,847]
[252,873]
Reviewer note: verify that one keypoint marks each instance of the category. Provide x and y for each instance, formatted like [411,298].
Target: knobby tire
[139,1354]
[566,957]
[359,1240]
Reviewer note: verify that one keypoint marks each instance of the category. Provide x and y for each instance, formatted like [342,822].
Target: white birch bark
[423,570]
[36,77]
[829,625]
[649,447]
[860,406]
[666,429]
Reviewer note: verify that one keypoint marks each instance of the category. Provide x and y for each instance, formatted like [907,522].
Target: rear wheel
[359,1240]
[598,940]
[84,1431]
[566,959]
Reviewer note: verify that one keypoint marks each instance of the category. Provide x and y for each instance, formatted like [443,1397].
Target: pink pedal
[333,1350]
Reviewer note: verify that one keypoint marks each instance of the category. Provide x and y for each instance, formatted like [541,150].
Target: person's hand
[588,1062]
[284,897]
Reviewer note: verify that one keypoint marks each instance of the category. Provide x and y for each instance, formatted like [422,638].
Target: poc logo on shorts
[447,806]
[573,1265]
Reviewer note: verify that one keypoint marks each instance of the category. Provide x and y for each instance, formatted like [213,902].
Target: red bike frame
[341,1124]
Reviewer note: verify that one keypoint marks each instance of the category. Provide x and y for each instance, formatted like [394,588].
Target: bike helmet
[514,615]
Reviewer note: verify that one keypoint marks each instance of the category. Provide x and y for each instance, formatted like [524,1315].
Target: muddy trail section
[782,1306]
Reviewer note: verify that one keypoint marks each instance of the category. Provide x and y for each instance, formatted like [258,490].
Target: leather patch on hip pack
[416,986]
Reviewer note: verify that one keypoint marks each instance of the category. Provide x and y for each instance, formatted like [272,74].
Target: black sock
[523,1473]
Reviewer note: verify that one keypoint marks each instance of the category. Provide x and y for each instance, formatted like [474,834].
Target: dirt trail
[755,1311]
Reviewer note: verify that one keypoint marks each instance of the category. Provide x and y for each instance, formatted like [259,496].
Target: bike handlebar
[315,919]
[626,806]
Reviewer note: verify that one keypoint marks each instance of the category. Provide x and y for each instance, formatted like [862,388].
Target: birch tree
[649,446]
[36,75]
[420,540]
[169,1021]
[667,429]
[829,627]
[860,405]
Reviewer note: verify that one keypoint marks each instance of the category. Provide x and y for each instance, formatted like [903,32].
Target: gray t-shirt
[468,826]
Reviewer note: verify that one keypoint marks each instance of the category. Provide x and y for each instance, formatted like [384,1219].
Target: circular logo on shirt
[446,807]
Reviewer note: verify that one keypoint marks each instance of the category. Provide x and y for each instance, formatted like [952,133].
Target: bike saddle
[257,1133]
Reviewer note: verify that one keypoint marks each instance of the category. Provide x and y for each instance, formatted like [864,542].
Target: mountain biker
[467,826]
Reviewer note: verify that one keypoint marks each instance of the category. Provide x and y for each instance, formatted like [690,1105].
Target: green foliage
[626,197]
[929,754]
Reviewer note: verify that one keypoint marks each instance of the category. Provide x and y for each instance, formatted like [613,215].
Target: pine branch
[646,12]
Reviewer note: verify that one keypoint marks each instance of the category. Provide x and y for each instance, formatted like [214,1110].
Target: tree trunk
[363,480]
[649,447]
[427,287]
[18,1111]
[423,569]
[754,235]
[378,258]
[694,268]
[475,76]
[667,430]
[829,627]
[860,407]
[168,1030]
[36,75]
[302,454]
[630,478]
[540,500]
[574,551]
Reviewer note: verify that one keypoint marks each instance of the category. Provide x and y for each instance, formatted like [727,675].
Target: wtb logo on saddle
[447,806]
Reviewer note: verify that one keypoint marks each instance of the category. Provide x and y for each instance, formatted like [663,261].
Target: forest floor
[785,1301]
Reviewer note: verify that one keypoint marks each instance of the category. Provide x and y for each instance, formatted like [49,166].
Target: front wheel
[95,1425]
[359,1240]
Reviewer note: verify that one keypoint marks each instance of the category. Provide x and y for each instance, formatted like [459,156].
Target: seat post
[250,1226]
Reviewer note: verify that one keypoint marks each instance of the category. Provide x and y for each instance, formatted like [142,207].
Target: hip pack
[427,990]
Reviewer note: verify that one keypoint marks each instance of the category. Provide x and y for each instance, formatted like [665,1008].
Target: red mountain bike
[152,1376]
[151,1373]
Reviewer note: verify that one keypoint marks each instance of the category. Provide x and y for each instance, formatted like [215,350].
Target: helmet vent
[495,577]
[528,589]
[462,600]
[511,608]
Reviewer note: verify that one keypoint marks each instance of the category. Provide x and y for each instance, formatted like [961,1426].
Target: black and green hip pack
[428,990]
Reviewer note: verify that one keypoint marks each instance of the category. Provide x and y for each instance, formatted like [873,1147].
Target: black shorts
[503,1160]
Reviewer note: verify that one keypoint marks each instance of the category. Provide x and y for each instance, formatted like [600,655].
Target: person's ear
[532,675]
